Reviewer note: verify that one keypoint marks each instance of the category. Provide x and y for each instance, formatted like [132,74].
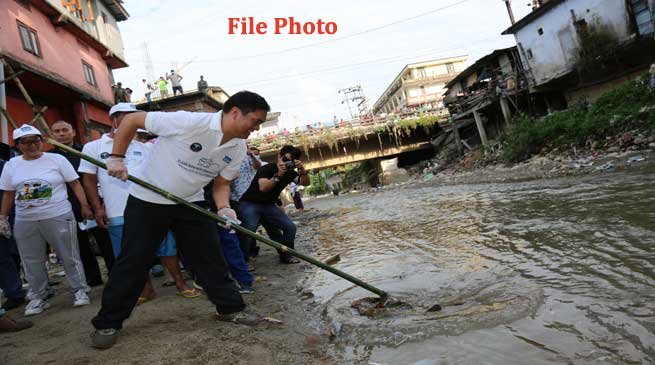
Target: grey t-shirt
[175,80]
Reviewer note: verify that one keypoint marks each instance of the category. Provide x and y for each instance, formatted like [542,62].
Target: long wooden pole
[383,295]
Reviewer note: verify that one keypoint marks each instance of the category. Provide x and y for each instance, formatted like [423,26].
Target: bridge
[346,143]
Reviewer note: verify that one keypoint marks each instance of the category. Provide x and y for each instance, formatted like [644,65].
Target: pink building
[67,50]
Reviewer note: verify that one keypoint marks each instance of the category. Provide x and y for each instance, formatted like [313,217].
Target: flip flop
[189,293]
[142,300]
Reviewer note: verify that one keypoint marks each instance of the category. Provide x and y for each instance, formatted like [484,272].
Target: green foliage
[615,111]
[598,47]
[318,184]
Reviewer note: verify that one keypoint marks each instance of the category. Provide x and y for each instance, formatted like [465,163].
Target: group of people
[175,82]
[200,157]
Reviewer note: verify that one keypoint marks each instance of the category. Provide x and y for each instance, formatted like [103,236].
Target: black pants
[88,257]
[145,227]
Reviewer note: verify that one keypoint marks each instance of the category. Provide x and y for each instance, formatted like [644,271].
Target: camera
[289,163]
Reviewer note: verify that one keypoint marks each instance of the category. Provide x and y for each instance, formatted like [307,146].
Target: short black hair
[247,102]
[295,152]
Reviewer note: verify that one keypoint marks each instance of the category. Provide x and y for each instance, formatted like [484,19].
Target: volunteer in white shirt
[192,149]
[36,181]
[115,193]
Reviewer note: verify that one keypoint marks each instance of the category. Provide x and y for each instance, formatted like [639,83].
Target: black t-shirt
[75,161]
[254,195]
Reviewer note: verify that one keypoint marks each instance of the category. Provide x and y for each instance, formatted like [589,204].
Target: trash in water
[435,308]
[636,159]
[373,307]
[605,166]
[332,260]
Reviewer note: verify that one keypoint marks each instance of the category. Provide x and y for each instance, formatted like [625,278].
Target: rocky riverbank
[629,150]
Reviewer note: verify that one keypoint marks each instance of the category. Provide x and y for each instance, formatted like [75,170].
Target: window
[29,39]
[540,31]
[450,68]
[420,72]
[529,54]
[88,74]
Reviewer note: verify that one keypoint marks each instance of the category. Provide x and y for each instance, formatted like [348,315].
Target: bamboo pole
[9,118]
[383,295]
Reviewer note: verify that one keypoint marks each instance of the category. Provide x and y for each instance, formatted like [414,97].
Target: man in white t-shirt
[192,149]
[115,193]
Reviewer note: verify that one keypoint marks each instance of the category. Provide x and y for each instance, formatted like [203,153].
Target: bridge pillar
[478,123]
[458,139]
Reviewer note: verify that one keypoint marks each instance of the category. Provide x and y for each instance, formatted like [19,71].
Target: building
[269,127]
[576,49]
[210,101]
[66,51]
[419,86]
[484,94]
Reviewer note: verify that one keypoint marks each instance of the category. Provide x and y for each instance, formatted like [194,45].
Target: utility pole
[147,63]
[508,3]
[354,98]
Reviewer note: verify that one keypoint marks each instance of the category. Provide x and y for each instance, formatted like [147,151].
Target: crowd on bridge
[55,201]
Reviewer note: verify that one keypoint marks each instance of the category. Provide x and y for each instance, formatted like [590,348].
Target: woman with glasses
[36,182]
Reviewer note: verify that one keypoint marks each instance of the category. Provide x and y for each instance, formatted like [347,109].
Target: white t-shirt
[187,155]
[40,186]
[113,190]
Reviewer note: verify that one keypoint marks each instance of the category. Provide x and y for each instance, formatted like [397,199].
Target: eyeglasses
[32,141]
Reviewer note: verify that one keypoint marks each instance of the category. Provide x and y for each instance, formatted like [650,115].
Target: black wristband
[116,155]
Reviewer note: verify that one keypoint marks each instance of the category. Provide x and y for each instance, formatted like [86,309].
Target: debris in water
[332,260]
[435,308]
[373,307]
[636,159]
[606,166]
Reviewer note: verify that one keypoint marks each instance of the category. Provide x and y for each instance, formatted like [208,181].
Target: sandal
[289,260]
[189,293]
[142,300]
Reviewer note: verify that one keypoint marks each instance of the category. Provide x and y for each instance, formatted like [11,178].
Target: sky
[300,74]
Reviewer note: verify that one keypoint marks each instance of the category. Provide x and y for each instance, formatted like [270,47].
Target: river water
[542,272]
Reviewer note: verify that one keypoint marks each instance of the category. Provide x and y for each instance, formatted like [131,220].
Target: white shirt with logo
[113,190]
[40,186]
[187,155]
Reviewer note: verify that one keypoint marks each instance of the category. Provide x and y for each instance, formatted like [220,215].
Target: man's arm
[90,184]
[221,192]
[116,161]
[7,202]
[266,185]
[79,194]
[304,174]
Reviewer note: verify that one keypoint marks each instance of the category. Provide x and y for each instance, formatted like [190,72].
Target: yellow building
[419,85]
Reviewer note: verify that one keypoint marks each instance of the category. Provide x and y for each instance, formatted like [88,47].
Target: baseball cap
[122,108]
[25,130]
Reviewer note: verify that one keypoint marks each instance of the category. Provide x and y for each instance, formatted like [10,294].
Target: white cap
[122,108]
[25,130]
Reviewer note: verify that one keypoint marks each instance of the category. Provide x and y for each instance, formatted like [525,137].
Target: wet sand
[174,330]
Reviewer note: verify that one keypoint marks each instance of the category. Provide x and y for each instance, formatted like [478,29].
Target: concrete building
[550,43]
[209,101]
[271,126]
[66,51]
[419,85]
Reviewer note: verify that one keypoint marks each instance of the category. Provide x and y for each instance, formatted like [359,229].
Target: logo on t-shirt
[33,193]
[195,147]
[227,159]
[104,155]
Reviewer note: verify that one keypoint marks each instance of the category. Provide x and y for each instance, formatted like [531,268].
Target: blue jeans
[278,225]
[115,228]
[10,283]
[234,256]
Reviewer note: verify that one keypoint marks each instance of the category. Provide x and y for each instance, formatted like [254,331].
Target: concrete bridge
[340,145]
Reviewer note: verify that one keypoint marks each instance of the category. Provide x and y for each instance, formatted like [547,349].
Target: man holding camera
[257,205]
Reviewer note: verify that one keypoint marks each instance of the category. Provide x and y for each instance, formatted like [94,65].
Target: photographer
[257,205]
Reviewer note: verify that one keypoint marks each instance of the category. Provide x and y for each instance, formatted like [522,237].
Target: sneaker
[196,285]
[246,289]
[36,306]
[104,339]
[239,318]
[81,298]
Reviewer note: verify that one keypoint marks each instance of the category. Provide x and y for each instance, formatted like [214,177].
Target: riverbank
[174,330]
[630,150]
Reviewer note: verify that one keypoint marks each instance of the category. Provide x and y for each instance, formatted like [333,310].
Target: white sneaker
[36,306]
[81,298]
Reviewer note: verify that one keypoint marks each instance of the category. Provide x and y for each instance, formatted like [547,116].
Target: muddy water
[543,272]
